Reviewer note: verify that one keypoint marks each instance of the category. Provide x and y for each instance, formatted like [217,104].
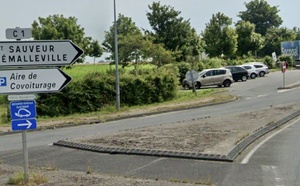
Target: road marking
[139,168]
[284,90]
[272,176]
[250,154]
[264,95]
[259,96]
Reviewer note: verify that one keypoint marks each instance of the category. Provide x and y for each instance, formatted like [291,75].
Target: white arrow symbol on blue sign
[28,124]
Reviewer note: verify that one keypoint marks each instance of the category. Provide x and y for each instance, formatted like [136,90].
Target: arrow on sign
[33,81]
[38,53]
[27,124]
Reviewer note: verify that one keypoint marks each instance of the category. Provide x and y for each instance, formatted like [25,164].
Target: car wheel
[198,85]
[261,74]
[244,78]
[185,85]
[226,83]
[253,76]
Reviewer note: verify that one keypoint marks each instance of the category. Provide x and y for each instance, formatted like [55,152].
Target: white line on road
[272,176]
[250,154]
[139,168]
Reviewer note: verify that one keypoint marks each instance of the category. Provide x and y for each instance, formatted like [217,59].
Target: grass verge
[34,179]
[185,99]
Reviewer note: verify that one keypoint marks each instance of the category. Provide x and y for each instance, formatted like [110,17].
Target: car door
[219,77]
[213,78]
[206,80]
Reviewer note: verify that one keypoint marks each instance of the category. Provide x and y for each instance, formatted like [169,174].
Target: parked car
[252,71]
[238,73]
[210,77]
[261,68]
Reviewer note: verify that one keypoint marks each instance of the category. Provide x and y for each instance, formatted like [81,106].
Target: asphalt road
[263,167]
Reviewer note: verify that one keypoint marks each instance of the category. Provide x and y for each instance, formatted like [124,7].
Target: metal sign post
[25,153]
[283,69]
[17,80]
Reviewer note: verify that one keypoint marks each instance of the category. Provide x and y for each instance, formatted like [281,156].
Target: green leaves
[220,39]
[175,33]
[57,27]
[260,13]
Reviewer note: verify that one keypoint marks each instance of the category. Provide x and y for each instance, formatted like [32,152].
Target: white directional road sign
[38,53]
[32,81]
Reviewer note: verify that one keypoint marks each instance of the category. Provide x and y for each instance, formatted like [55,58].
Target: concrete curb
[230,157]
[290,86]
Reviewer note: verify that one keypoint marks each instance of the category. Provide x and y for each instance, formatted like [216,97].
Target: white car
[261,68]
[252,71]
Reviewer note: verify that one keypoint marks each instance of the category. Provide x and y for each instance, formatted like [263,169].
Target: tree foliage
[133,45]
[219,37]
[297,33]
[263,15]
[128,36]
[95,50]
[57,27]
[248,40]
[175,33]
[273,39]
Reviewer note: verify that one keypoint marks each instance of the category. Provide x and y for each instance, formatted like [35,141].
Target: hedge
[97,90]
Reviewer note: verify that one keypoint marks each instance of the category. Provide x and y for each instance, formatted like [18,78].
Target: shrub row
[97,90]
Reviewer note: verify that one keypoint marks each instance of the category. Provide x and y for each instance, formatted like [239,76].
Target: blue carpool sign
[23,115]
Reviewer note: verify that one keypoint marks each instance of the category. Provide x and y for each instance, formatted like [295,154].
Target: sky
[96,16]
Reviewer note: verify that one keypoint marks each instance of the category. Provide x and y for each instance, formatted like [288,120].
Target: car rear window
[258,66]
[247,67]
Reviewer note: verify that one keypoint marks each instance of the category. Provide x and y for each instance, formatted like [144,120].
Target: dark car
[238,73]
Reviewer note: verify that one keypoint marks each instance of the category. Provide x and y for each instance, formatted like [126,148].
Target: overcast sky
[96,16]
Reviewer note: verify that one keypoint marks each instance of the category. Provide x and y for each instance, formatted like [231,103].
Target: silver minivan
[210,77]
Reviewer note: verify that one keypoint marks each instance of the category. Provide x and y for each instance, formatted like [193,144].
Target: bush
[268,60]
[213,62]
[97,90]
[288,59]
[183,68]
[3,99]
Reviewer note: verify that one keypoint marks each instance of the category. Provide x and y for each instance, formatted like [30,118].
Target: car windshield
[202,73]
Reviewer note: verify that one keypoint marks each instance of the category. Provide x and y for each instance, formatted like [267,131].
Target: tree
[95,50]
[125,28]
[156,52]
[248,40]
[273,39]
[57,27]
[260,13]
[175,33]
[297,33]
[220,39]
[133,45]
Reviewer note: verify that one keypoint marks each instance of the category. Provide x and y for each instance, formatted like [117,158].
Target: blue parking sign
[3,82]
[22,109]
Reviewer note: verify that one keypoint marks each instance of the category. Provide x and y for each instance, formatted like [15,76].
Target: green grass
[34,179]
[80,70]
